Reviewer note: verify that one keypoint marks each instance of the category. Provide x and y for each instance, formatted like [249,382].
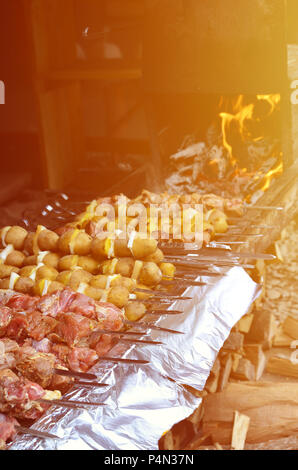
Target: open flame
[249,123]
[271,175]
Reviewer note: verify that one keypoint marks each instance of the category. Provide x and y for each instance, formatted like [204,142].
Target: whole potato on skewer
[47,241]
[46,272]
[5,270]
[157,257]
[15,258]
[87,263]
[75,242]
[134,311]
[13,236]
[47,258]
[168,269]
[150,274]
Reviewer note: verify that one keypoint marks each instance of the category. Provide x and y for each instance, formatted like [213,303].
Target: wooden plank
[239,433]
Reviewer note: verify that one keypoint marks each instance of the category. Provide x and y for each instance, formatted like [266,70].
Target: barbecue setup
[123,293]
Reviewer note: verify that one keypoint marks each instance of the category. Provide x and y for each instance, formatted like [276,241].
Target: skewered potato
[24,285]
[75,242]
[134,311]
[28,243]
[150,274]
[15,258]
[157,257]
[5,270]
[69,262]
[13,236]
[219,220]
[46,272]
[49,259]
[118,296]
[47,240]
[167,269]
[73,279]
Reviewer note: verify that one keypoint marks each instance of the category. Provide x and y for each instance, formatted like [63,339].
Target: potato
[24,285]
[126,282]
[125,267]
[64,277]
[50,259]
[167,269]
[46,272]
[143,247]
[15,258]
[88,264]
[157,257]
[93,292]
[134,311]
[75,242]
[150,274]
[47,240]
[118,296]
[16,236]
[28,243]
[100,248]
[219,221]
[68,262]
[79,276]
[26,271]
[99,282]
[55,286]
[5,270]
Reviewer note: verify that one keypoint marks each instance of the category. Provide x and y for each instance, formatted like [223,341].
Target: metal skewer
[139,341]
[79,375]
[164,312]
[35,433]
[124,361]
[70,403]
[91,384]
[264,208]
[153,327]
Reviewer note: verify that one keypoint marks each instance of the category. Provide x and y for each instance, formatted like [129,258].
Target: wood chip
[245,370]
[240,429]
[256,356]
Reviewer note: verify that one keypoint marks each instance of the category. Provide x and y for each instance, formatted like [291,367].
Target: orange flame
[240,114]
[271,174]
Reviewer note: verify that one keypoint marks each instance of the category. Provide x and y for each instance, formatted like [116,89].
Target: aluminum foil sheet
[142,402]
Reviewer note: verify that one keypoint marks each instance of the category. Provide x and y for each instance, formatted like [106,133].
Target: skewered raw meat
[20,398]
[7,429]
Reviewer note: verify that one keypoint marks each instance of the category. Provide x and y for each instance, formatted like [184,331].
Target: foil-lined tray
[142,402]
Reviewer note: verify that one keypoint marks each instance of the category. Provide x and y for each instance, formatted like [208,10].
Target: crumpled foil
[143,402]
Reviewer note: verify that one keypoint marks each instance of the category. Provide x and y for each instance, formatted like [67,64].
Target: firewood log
[271,407]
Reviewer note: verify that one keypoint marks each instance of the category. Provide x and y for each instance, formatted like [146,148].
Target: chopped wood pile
[251,395]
